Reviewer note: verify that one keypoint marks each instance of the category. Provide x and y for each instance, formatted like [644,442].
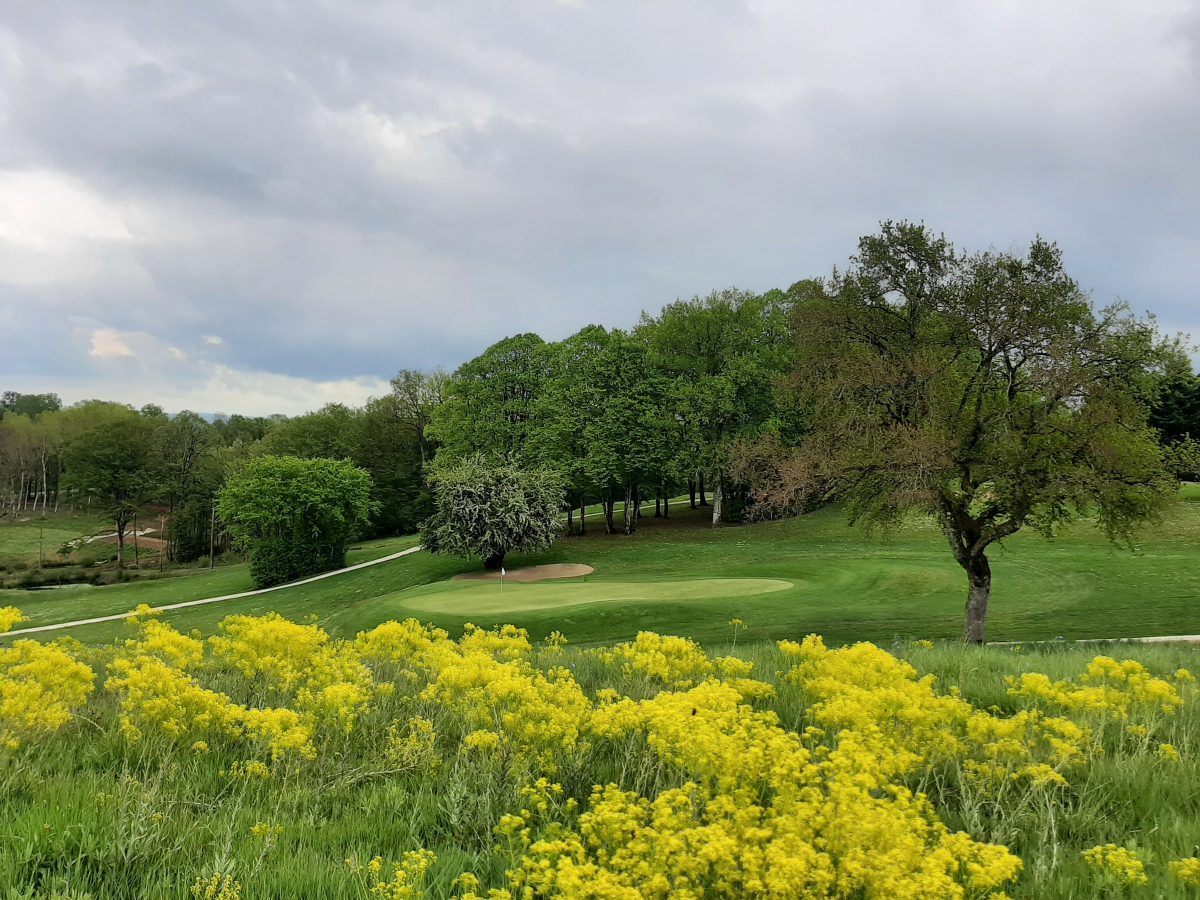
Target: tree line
[114,460]
[984,389]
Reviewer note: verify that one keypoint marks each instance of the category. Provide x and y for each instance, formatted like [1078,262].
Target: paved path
[1157,639]
[278,587]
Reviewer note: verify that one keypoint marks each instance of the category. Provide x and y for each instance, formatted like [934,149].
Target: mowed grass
[48,606]
[492,598]
[843,583]
[22,535]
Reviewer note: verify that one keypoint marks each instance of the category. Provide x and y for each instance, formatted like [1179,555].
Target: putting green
[473,598]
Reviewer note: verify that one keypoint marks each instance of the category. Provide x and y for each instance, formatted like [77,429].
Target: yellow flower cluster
[534,714]
[218,887]
[867,690]
[780,824]
[1186,870]
[1107,689]
[41,687]
[706,790]
[674,661]
[10,617]
[1116,864]
[407,879]
[414,747]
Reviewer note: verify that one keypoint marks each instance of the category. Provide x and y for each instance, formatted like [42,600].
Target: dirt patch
[531,573]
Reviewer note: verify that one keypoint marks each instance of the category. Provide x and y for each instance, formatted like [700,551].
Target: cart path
[279,587]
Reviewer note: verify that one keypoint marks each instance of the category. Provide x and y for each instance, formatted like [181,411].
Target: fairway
[826,577]
[470,598]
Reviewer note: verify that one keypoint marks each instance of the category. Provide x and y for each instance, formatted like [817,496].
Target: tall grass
[85,813]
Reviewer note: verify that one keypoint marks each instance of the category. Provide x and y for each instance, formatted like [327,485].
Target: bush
[295,516]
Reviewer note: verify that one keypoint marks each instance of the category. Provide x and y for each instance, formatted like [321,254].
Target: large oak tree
[982,388]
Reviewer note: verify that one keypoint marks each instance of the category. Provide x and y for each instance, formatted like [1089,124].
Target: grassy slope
[19,537]
[847,585]
[114,822]
[44,607]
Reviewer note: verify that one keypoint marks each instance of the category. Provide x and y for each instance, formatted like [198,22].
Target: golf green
[471,598]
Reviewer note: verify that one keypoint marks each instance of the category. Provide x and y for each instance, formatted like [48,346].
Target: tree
[488,510]
[983,389]
[329,433]
[417,395]
[296,516]
[390,448]
[188,473]
[1175,410]
[31,405]
[490,402]
[239,429]
[724,352]
[109,458]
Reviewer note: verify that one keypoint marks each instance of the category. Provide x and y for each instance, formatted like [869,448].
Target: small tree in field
[487,510]
[296,516]
[110,459]
[983,389]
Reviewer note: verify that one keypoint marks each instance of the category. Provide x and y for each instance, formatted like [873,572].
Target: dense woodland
[699,400]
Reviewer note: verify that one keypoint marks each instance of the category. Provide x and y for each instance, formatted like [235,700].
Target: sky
[265,207]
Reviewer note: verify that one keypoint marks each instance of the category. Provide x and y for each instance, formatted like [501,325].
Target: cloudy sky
[266,206]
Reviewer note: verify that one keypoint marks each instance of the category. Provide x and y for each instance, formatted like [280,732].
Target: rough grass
[87,815]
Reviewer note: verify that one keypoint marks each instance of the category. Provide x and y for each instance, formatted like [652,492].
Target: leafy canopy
[983,388]
[488,510]
[295,515]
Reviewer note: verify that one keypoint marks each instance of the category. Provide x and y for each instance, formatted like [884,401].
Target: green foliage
[295,515]
[189,471]
[487,510]
[491,401]
[981,388]
[31,405]
[111,458]
[1175,410]
[329,433]
[1182,459]
[239,429]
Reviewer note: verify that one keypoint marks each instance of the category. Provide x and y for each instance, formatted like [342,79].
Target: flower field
[273,760]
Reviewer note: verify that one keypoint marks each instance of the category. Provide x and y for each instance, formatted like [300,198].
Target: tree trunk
[718,497]
[637,502]
[137,561]
[658,506]
[121,547]
[570,519]
[630,509]
[609,504]
[582,516]
[494,562]
[692,491]
[666,507]
[700,488]
[979,576]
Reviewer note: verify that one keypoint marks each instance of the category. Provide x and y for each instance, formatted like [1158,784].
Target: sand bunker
[530,574]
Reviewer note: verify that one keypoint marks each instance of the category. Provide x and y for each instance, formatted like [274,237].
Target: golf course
[784,579]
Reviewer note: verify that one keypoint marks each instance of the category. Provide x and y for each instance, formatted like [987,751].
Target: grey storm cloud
[339,190]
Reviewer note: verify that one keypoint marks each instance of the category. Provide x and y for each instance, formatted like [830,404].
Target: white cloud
[213,340]
[107,344]
[154,371]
